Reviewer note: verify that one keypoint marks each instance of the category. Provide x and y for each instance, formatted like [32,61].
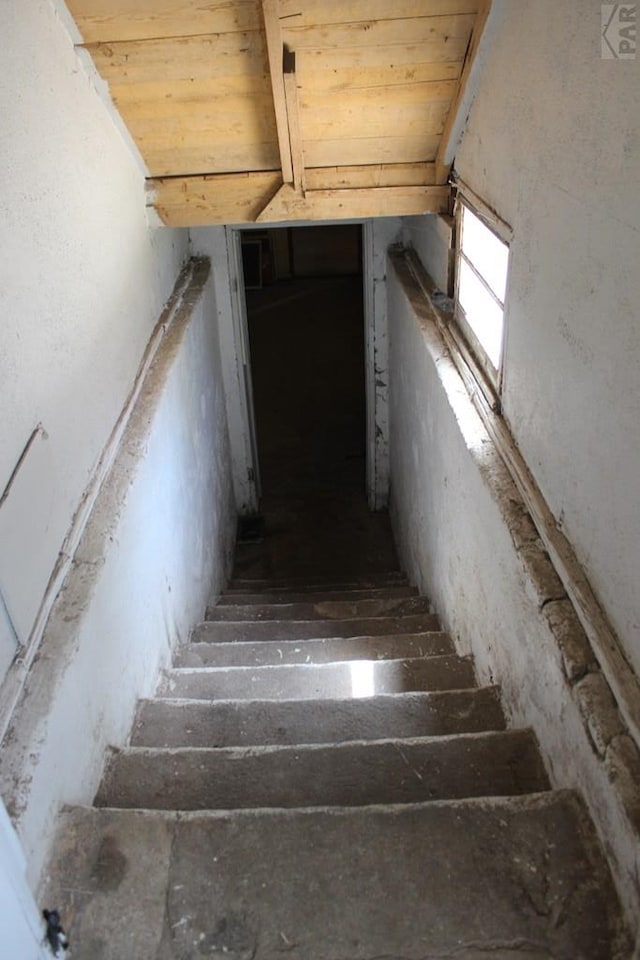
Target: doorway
[306,332]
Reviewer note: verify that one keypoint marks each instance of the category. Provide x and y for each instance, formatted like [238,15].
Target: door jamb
[376,388]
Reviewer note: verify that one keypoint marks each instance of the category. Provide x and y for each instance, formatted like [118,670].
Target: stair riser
[313,629]
[333,680]
[313,651]
[194,724]
[406,771]
[322,610]
[314,596]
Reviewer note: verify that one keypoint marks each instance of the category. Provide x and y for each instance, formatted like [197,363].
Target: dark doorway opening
[304,296]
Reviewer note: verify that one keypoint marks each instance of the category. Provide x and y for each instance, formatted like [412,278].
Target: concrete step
[318,583]
[322,610]
[202,723]
[507,878]
[514,879]
[346,774]
[325,650]
[313,595]
[318,681]
[313,629]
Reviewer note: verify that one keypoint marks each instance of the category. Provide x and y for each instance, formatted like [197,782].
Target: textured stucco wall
[553,144]
[158,545]
[83,280]
[465,539]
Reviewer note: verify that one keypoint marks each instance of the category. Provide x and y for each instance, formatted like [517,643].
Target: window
[482,265]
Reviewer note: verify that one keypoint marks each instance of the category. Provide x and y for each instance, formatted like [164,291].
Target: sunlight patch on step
[362,678]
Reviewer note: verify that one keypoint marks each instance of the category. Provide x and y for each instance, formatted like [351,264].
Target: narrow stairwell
[320,777]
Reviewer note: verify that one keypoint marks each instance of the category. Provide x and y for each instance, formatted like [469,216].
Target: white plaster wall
[236,364]
[453,506]
[553,144]
[157,547]
[431,237]
[82,281]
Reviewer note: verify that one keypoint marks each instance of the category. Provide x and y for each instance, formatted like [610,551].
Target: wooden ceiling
[272,110]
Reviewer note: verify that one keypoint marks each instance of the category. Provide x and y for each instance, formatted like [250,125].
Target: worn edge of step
[348,594]
[374,578]
[526,734]
[526,801]
[436,660]
[198,718]
[311,700]
[391,697]
[268,612]
[454,657]
[362,637]
[429,622]
[451,665]
[365,607]
[519,749]
[200,647]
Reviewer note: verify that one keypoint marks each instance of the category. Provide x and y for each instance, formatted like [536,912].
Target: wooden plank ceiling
[272,110]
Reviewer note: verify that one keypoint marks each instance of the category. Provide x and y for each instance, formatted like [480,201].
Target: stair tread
[314,595]
[230,723]
[494,763]
[213,631]
[319,650]
[321,609]
[321,680]
[417,879]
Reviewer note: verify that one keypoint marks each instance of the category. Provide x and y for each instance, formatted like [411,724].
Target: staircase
[320,777]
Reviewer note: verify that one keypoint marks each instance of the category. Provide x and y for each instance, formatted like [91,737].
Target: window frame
[488,376]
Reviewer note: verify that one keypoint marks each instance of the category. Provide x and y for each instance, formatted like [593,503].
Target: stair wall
[466,540]
[157,546]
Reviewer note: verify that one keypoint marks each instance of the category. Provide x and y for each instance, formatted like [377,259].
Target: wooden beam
[206,200]
[273,33]
[356,204]
[443,159]
[262,197]
[293,118]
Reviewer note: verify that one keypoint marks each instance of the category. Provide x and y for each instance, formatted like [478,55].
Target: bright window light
[482,282]
[483,314]
[488,254]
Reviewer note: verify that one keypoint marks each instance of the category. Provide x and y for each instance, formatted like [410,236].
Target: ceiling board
[368,96]
[366,150]
[312,12]
[111,20]
[314,77]
[184,58]
[414,31]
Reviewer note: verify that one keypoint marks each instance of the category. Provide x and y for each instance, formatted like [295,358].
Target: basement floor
[307,357]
